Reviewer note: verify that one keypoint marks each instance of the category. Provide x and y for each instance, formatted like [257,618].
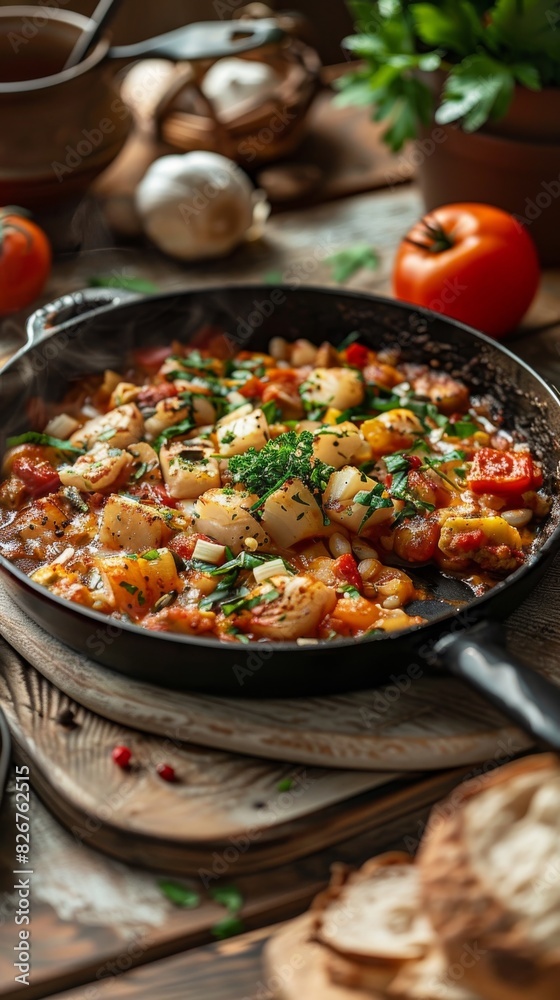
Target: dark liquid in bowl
[22,67]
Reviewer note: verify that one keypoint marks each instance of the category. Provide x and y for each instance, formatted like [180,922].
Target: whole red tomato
[472,262]
[25,260]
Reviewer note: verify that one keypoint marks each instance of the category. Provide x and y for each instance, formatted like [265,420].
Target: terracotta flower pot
[513,163]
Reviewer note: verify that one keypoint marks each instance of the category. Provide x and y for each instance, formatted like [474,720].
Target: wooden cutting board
[223,811]
[415,723]
[93,915]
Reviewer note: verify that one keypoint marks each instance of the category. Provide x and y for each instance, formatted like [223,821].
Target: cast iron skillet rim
[251,288]
[552,543]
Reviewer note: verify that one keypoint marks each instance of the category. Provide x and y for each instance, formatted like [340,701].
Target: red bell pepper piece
[39,477]
[503,472]
[346,568]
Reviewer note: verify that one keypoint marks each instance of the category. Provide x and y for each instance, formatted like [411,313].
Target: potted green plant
[477,85]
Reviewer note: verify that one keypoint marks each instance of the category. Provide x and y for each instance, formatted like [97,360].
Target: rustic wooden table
[95,915]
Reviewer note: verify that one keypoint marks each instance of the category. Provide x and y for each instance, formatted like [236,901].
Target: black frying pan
[82,333]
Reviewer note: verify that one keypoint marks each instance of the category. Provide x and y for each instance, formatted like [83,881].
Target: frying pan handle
[479,656]
[205,40]
[47,319]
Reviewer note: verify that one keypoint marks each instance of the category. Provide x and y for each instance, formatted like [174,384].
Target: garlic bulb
[195,205]
[231,82]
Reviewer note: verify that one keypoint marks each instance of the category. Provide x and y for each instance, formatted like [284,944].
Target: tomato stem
[7,213]
[437,240]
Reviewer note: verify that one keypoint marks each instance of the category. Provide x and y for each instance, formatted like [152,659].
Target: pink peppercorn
[121,756]
[166,772]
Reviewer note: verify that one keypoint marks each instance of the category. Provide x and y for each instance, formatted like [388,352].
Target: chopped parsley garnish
[350,338]
[345,263]
[225,591]
[34,437]
[228,896]
[349,590]
[232,630]
[128,586]
[228,437]
[131,283]
[151,555]
[242,369]
[399,466]
[397,462]
[425,412]
[462,429]
[289,456]
[107,434]
[313,411]
[434,461]
[413,505]
[179,894]
[373,500]
[247,603]
[227,928]
[285,785]
[272,412]
[175,431]
[195,360]
[140,471]
[245,560]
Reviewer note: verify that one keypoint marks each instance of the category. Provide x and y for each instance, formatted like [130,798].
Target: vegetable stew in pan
[279,496]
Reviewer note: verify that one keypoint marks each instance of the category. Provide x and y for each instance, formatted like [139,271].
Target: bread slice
[295,966]
[391,954]
[490,873]
[430,978]
[376,913]
[369,923]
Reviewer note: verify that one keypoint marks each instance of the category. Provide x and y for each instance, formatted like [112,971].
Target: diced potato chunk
[341,388]
[391,431]
[138,583]
[61,426]
[188,469]
[144,455]
[337,444]
[225,518]
[302,603]
[118,428]
[339,505]
[97,469]
[136,527]
[168,412]
[125,392]
[292,514]
[249,431]
[202,409]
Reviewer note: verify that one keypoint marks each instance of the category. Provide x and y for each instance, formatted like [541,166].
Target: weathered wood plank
[231,970]
[94,916]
